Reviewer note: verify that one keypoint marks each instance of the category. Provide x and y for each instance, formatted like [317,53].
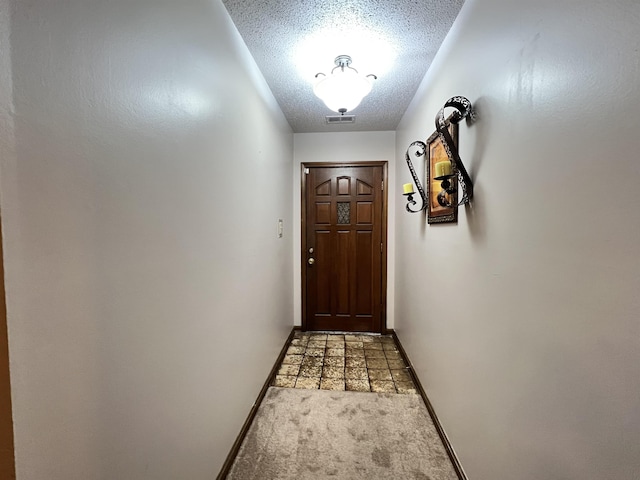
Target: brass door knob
[311,261]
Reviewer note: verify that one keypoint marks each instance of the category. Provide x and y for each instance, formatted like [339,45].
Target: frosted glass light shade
[343,90]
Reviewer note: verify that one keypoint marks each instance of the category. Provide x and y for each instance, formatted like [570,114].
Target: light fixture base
[342,61]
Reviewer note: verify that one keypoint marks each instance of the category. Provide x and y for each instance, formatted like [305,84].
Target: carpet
[316,434]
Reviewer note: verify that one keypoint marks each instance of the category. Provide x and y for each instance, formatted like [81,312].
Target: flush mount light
[344,88]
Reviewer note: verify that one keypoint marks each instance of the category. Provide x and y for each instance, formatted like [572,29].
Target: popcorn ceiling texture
[279,33]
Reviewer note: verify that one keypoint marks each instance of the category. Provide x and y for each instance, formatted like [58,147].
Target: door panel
[341,269]
[364,273]
[344,224]
[323,272]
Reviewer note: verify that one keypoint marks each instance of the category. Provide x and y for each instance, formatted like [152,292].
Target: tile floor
[358,362]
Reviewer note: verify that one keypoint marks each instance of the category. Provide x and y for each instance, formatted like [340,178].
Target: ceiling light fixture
[343,90]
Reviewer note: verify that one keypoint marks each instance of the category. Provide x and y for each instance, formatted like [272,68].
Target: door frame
[303,231]
[7,454]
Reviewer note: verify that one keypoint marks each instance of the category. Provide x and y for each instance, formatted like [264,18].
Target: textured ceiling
[292,40]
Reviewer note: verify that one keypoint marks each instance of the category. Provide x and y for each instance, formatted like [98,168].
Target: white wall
[522,320]
[139,212]
[339,148]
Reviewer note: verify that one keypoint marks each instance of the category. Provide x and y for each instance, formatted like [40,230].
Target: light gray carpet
[315,434]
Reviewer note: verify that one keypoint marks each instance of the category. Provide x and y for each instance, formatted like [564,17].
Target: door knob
[311,261]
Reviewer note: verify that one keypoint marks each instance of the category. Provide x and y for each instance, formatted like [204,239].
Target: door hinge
[306,171]
[381,248]
[382,184]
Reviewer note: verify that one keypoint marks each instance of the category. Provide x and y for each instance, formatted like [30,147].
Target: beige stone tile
[289,370]
[379,374]
[387,339]
[335,344]
[354,352]
[354,362]
[306,371]
[357,385]
[312,361]
[406,387]
[374,353]
[381,386]
[292,359]
[335,337]
[389,347]
[318,336]
[351,338]
[334,352]
[366,338]
[308,383]
[356,373]
[400,376]
[295,350]
[396,364]
[372,346]
[334,362]
[299,342]
[393,355]
[377,363]
[333,372]
[354,345]
[314,352]
[287,381]
[317,344]
[331,383]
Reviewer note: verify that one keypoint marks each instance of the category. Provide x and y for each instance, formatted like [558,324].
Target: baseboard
[226,466]
[436,422]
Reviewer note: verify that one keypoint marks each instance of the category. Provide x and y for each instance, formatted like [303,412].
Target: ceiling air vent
[339,119]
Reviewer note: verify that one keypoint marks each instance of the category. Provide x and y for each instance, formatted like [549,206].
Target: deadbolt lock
[311,250]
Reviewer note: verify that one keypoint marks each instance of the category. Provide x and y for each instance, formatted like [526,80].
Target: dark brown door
[343,248]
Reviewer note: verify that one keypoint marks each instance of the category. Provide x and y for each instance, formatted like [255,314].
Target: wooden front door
[344,253]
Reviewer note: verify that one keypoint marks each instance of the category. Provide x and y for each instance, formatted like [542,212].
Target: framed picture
[436,153]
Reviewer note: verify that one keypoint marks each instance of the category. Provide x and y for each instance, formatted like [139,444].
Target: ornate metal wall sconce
[421,148]
[445,171]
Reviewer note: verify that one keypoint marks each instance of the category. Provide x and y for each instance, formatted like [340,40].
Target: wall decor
[446,169]
[418,149]
[442,204]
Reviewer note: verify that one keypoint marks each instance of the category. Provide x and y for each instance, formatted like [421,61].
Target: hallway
[150,191]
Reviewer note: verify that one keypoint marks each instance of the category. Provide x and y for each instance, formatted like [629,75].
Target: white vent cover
[338,119]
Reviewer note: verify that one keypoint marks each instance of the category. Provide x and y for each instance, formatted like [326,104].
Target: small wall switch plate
[280,228]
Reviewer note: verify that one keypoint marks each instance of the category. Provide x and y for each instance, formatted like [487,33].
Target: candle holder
[448,189]
[464,109]
[411,201]
[421,148]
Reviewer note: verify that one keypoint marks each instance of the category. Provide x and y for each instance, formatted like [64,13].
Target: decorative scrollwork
[464,109]
[420,152]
